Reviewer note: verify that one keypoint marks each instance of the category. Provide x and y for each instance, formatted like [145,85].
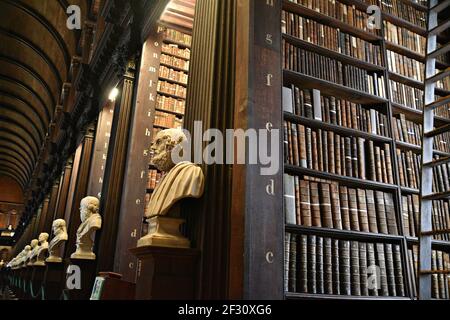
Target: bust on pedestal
[91,221]
[61,236]
[42,250]
[182,180]
[31,257]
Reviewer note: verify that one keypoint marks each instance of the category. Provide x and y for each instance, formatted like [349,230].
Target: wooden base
[166,273]
[36,282]
[87,279]
[54,280]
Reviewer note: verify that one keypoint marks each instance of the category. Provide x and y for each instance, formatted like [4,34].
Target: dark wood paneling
[47,227]
[63,196]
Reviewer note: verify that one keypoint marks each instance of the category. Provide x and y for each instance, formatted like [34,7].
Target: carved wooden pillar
[114,175]
[47,226]
[135,180]
[64,190]
[41,218]
[80,188]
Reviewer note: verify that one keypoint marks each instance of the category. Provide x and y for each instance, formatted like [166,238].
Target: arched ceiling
[36,49]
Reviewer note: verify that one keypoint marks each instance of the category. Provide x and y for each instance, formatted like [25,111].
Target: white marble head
[88,207]
[43,237]
[34,243]
[162,146]
[59,226]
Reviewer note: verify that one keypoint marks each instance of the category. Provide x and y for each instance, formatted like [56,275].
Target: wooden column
[257,223]
[135,181]
[114,175]
[47,226]
[102,137]
[64,193]
[41,218]
[80,189]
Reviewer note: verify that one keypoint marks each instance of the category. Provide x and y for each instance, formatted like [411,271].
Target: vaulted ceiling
[36,49]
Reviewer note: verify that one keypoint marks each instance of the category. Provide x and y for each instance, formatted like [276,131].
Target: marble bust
[60,236]
[182,180]
[31,257]
[42,250]
[22,261]
[91,221]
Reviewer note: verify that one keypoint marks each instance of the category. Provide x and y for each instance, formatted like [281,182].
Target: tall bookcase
[320,244]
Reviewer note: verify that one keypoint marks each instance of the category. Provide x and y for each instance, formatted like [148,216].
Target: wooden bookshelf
[389,108]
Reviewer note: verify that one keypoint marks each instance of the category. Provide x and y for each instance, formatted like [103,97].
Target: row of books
[343,12]
[174,50]
[404,11]
[174,62]
[153,179]
[170,104]
[321,203]
[167,120]
[440,283]
[411,132]
[172,88]
[404,38]
[405,66]
[330,38]
[341,112]
[330,152]
[443,111]
[321,265]
[409,165]
[172,74]
[406,95]
[411,216]
[177,36]
[316,65]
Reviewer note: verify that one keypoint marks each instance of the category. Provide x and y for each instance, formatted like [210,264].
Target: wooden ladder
[429,133]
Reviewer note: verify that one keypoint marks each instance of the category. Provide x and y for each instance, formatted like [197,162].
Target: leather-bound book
[363,268]
[390,175]
[287,100]
[390,269]
[332,159]
[399,283]
[299,108]
[390,213]
[298,214]
[308,104]
[354,268]
[325,205]
[305,203]
[293,264]
[309,146]
[345,209]
[337,156]
[320,150]
[295,143]
[287,252]
[381,212]
[302,265]
[362,210]
[354,155]
[372,280]
[405,214]
[336,267]
[348,157]
[344,262]
[302,146]
[315,153]
[441,277]
[327,266]
[353,208]
[312,264]
[434,277]
[384,290]
[289,199]
[315,204]
[416,207]
[361,160]
[286,146]
[335,206]
[371,161]
[325,153]
[414,273]
[319,266]
[371,211]
[290,144]
[379,174]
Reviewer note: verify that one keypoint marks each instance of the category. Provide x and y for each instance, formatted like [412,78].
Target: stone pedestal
[54,280]
[166,273]
[36,282]
[87,278]
[164,232]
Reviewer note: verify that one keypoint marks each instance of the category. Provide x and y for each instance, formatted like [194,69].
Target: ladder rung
[439,102]
[439,76]
[438,131]
[441,6]
[439,28]
[437,196]
[435,232]
[437,162]
[425,272]
[438,52]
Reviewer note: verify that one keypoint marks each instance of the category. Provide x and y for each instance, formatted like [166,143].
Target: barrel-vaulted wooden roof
[36,49]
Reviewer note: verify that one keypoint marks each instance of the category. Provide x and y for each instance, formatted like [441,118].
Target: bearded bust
[60,236]
[42,249]
[182,180]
